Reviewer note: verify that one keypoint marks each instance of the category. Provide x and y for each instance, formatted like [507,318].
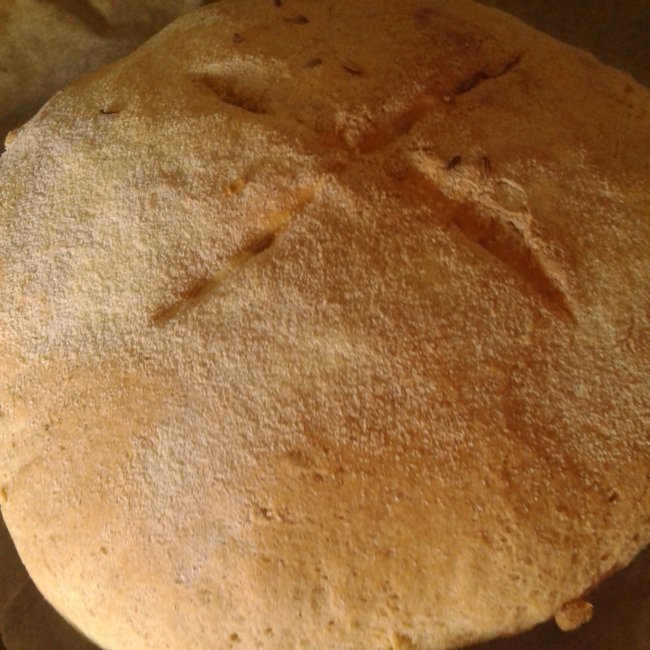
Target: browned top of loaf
[326,325]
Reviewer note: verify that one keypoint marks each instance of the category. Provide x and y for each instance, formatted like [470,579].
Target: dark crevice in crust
[398,125]
[202,289]
[232,92]
[503,240]
[386,133]
[471,82]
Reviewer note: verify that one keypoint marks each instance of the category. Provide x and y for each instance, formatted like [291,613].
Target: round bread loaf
[44,44]
[325,325]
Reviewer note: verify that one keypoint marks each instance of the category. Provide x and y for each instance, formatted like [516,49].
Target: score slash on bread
[44,44]
[326,325]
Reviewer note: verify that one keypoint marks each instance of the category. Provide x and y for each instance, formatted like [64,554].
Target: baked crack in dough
[325,325]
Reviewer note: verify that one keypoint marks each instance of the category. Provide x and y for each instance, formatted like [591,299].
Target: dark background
[616,31]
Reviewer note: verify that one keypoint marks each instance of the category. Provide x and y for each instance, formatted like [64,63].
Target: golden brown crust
[343,354]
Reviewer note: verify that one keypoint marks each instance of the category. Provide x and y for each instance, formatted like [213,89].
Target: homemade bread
[325,325]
